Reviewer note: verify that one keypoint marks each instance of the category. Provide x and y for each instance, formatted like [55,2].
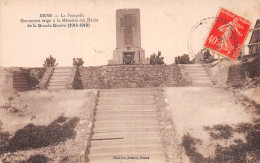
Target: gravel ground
[172,148]
[193,108]
[43,107]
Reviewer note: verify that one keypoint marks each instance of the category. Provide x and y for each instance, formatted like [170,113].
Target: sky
[166,26]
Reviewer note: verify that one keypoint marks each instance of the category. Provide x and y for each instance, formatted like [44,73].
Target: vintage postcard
[131,81]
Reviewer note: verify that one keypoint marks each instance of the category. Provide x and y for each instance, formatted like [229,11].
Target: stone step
[201,80]
[194,76]
[111,158]
[22,89]
[21,75]
[126,107]
[126,102]
[136,90]
[126,150]
[194,67]
[124,124]
[236,76]
[125,117]
[129,113]
[126,94]
[115,97]
[56,87]
[112,119]
[57,84]
[123,142]
[236,79]
[191,65]
[126,129]
[60,77]
[199,77]
[21,81]
[235,82]
[59,80]
[63,67]
[201,83]
[22,86]
[197,72]
[126,135]
[19,72]
[63,70]
[61,74]
[20,78]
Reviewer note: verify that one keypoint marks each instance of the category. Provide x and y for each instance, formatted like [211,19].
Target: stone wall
[236,75]
[131,76]
[34,75]
[46,78]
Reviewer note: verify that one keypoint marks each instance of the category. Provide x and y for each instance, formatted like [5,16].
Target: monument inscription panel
[127,22]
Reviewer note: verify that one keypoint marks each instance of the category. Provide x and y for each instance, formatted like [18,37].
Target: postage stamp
[227,34]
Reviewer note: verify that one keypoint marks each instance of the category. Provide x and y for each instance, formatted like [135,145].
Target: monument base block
[129,56]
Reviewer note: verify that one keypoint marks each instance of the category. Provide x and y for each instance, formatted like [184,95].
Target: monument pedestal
[120,56]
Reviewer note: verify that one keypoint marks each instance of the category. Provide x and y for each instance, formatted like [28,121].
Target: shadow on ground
[242,151]
[32,136]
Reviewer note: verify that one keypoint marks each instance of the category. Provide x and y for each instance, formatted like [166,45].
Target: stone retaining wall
[236,75]
[131,76]
[46,78]
[34,74]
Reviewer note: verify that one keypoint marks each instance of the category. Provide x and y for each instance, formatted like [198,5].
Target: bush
[189,144]
[50,62]
[78,62]
[252,66]
[238,151]
[4,138]
[204,56]
[156,59]
[220,131]
[32,137]
[184,59]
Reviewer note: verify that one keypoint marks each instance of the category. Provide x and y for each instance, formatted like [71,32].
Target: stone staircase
[21,81]
[236,75]
[197,74]
[60,78]
[126,125]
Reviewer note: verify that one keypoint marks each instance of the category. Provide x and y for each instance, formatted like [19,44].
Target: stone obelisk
[128,38]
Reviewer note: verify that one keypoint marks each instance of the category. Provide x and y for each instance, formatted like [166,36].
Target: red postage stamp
[227,34]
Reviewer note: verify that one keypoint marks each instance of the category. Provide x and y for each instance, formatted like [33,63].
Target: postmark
[227,34]
[199,27]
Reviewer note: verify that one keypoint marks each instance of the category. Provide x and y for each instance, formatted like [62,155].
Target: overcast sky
[166,25]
